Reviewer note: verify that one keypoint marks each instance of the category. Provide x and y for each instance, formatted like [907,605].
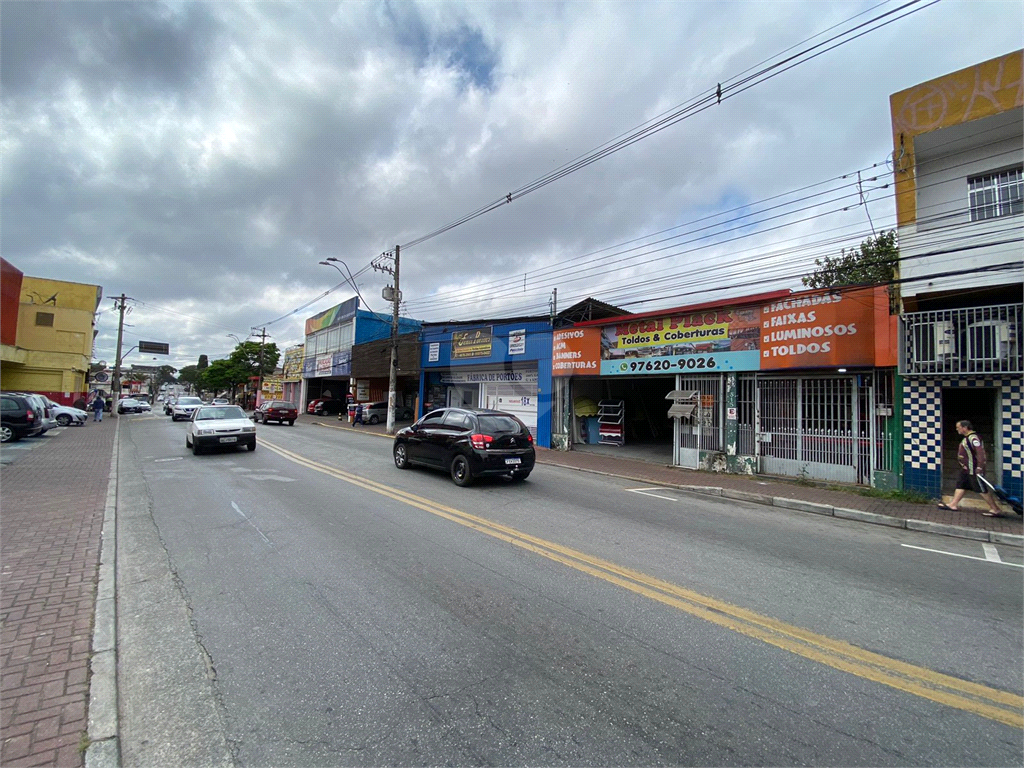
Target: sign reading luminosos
[819,329]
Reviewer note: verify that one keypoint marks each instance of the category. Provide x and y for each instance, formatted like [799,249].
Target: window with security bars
[997,194]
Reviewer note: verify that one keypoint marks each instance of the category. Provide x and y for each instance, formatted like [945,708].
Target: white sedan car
[220,426]
[184,407]
[66,416]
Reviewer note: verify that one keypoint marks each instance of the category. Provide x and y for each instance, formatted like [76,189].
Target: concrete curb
[856,515]
[103,750]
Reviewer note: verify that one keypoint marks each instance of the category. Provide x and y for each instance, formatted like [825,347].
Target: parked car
[43,409]
[144,406]
[184,407]
[374,413]
[129,405]
[66,416]
[19,417]
[331,407]
[222,426]
[276,410]
[467,443]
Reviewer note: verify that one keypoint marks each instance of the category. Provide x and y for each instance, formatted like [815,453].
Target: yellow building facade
[53,347]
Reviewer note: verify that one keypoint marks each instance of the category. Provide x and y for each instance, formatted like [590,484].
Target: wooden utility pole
[119,303]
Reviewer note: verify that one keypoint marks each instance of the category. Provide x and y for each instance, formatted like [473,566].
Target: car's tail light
[30,416]
[481,441]
[529,438]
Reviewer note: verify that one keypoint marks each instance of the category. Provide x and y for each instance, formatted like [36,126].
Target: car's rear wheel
[6,434]
[291,422]
[374,419]
[401,456]
[64,420]
[461,474]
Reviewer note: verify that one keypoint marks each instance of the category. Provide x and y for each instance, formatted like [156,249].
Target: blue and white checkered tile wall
[922,432]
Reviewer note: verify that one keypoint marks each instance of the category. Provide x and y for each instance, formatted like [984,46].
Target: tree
[165,375]
[248,356]
[221,375]
[204,363]
[874,264]
[190,375]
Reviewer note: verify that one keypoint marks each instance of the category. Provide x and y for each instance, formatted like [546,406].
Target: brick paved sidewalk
[53,501]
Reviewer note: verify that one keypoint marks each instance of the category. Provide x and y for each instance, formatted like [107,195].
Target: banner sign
[489,377]
[817,329]
[467,344]
[323,365]
[517,342]
[332,316]
[292,365]
[309,368]
[341,363]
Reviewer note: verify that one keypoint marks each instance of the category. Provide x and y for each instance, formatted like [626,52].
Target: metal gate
[809,427]
[704,431]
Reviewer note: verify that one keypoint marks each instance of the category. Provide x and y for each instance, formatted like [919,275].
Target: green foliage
[190,374]
[873,264]
[165,375]
[248,356]
[221,375]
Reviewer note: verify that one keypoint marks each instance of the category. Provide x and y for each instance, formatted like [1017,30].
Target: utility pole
[259,380]
[396,300]
[119,303]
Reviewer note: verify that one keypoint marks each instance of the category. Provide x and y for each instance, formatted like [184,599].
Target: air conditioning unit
[988,340]
[933,342]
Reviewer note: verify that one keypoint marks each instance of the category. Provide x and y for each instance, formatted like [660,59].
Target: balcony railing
[971,340]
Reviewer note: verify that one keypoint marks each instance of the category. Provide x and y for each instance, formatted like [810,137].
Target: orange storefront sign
[819,330]
[576,352]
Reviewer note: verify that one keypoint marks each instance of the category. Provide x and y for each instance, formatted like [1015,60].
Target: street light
[330,261]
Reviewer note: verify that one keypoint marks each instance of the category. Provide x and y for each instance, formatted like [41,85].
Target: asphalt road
[310,604]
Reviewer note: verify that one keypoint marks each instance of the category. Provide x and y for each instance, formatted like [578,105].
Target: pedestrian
[359,414]
[972,459]
[97,408]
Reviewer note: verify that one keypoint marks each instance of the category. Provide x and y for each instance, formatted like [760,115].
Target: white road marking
[250,522]
[991,553]
[176,458]
[969,557]
[647,492]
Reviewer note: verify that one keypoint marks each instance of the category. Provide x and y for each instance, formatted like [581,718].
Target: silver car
[184,407]
[220,426]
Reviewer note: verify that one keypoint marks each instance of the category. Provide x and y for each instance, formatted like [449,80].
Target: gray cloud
[204,157]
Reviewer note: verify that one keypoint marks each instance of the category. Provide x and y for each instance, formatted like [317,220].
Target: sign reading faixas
[819,329]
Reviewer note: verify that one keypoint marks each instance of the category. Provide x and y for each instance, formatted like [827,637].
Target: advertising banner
[468,344]
[489,377]
[292,365]
[823,330]
[517,342]
[818,329]
[323,365]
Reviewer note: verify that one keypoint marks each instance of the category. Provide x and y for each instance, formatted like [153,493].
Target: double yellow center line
[992,703]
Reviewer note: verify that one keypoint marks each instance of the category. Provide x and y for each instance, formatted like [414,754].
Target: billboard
[818,329]
[469,344]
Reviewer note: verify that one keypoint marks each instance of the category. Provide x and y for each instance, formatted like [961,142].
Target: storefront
[291,374]
[502,365]
[788,384]
[330,336]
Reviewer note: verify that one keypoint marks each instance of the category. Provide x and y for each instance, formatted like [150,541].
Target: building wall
[972,93]
[56,352]
[922,434]
[10,299]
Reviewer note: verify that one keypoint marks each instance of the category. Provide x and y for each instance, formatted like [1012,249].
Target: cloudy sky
[203,158]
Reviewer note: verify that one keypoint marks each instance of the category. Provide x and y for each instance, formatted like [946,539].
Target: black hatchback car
[467,443]
[19,417]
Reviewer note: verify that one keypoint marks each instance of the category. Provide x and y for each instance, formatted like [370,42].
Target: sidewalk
[847,504]
[54,498]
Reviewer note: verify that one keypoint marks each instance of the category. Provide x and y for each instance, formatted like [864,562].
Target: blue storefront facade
[503,364]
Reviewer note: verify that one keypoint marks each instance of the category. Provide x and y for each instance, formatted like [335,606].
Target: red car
[311,408]
[276,410]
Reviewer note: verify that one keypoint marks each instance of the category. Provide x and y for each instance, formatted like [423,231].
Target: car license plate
[229,439]
[513,461]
